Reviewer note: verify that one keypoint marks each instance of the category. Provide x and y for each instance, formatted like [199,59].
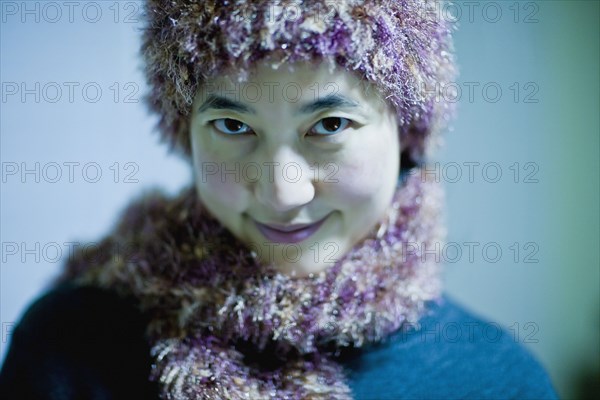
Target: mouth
[291,233]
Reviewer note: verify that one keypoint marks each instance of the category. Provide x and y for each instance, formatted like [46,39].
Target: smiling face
[299,165]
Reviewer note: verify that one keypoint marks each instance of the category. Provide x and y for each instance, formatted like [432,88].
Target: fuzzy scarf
[224,326]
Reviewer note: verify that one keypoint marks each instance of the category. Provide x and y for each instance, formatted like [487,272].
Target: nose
[286,182]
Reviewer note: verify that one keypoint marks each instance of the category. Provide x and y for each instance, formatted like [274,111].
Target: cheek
[216,184]
[228,193]
[358,180]
[368,172]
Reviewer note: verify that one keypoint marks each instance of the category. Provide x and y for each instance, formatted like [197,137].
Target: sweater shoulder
[454,353]
[77,342]
[84,309]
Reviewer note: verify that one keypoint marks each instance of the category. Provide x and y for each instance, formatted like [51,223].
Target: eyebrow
[328,102]
[223,103]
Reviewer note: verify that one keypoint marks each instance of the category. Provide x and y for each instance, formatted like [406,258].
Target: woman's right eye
[228,126]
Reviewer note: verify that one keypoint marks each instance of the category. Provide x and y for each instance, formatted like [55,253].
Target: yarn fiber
[402,47]
[223,325]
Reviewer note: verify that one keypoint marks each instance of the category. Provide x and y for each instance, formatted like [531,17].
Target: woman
[301,263]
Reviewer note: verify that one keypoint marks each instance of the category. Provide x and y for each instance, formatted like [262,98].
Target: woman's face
[299,166]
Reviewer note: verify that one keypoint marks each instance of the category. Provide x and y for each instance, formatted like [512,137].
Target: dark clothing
[78,343]
[87,343]
[455,355]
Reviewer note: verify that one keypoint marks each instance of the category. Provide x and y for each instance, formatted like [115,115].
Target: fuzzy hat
[403,47]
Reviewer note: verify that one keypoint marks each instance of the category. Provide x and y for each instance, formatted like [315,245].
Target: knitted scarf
[225,326]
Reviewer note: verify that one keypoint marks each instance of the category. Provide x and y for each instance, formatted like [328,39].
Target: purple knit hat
[403,47]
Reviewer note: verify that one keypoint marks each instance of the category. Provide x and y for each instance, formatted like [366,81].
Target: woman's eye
[230,126]
[330,126]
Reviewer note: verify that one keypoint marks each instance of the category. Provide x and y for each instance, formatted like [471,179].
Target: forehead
[291,82]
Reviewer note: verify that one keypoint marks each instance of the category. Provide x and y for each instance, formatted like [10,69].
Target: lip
[291,233]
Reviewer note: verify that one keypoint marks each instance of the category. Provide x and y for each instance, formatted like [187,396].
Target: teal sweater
[455,355]
[68,342]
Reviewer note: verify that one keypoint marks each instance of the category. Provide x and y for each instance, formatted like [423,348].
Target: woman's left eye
[330,125]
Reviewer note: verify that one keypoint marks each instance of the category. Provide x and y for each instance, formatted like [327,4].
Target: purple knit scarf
[223,326]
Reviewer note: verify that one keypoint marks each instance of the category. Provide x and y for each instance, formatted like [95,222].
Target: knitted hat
[402,47]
